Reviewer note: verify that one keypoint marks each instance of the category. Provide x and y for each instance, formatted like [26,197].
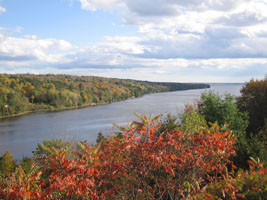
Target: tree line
[27,92]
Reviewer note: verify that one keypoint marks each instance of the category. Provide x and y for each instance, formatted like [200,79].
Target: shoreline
[58,109]
[68,108]
[83,106]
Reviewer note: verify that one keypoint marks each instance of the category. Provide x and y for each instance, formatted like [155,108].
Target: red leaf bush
[136,165]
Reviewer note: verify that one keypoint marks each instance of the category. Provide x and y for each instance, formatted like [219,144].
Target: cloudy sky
[156,40]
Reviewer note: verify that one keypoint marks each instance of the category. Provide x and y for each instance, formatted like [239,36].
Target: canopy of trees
[253,101]
[24,93]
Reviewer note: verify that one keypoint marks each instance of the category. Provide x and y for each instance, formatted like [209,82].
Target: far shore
[79,107]
[62,109]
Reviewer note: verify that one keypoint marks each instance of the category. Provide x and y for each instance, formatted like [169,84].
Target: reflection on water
[20,135]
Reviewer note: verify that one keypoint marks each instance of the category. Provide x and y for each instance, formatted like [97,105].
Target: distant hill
[25,93]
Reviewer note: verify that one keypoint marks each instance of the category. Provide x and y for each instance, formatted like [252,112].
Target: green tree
[15,103]
[225,112]
[27,164]
[253,100]
[193,122]
[168,123]
[100,138]
[81,86]
[7,164]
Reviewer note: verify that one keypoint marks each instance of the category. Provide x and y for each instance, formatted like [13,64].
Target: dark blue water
[20,135]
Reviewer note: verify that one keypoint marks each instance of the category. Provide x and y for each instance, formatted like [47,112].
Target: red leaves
[233,166]
[141,158]
[263,171]
[92,171]
[21,186]
[138,139]
[138,165]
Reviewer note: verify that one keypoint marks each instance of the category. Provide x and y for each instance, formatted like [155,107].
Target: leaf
[138,139]
[119,127]
[155,119]
[233,166]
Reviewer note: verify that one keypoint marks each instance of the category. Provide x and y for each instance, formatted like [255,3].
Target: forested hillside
[25,92]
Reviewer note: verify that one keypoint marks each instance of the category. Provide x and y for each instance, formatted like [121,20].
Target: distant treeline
[176,86]
[26,92]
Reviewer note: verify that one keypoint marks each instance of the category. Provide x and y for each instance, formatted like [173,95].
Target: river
[20,135]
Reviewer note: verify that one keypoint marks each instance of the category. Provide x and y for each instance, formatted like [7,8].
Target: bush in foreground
[137,165]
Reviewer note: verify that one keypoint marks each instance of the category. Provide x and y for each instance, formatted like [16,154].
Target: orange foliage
[137,165]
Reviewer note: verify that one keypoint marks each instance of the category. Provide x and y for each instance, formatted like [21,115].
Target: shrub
[246,185]
[7,163]
[137,165]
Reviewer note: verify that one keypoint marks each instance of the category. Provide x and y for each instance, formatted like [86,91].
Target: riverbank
[77,107]
[58,109]
[66,108]
[22,94]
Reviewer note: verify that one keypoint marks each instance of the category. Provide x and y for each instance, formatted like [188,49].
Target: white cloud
[134,57]
[249,14]
[152,8]
[163,7]
[126,45]
[176,70]
[201,29]
[98,4]
[19,49]
[193,28]
[203,5]
[176,7]
[2,10]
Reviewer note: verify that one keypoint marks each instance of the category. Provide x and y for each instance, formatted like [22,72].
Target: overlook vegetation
[211,153]
[25,92]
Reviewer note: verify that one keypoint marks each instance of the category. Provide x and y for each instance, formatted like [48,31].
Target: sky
[155,40]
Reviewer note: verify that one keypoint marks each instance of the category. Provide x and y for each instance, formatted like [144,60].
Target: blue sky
[156,40]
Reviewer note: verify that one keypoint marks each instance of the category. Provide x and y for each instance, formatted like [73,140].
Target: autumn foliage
[135,165]
[23,93]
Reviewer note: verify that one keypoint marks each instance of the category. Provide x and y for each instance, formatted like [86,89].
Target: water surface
[21,134]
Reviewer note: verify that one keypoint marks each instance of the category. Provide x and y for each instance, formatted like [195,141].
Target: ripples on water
[20,135]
